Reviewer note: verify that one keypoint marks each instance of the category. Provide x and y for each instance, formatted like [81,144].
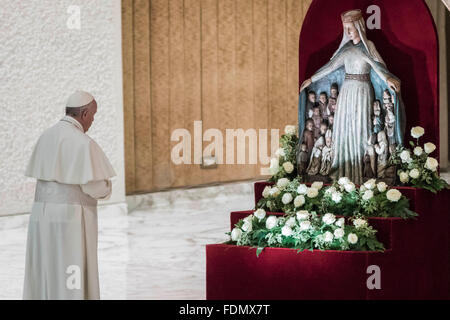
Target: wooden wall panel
[176,82]
[160,93]
[128,93]
[142,97]
[228,63]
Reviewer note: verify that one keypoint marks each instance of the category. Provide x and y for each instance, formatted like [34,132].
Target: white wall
[42,61]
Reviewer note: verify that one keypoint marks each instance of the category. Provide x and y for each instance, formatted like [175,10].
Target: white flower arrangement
[418,168]
[371,199]
[284,162]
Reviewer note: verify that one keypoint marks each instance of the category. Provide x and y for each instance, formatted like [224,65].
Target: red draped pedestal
[414,266]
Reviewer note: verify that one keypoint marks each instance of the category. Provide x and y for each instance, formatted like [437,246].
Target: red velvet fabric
[415,265]
[407,42]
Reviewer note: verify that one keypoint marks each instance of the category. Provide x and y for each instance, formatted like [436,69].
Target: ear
[84,113]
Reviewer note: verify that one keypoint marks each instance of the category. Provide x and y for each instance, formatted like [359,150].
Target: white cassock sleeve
[100,190]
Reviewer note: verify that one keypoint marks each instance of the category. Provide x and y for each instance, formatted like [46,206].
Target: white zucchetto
[79,99]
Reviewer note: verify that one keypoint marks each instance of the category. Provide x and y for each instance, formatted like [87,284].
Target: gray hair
[75,112]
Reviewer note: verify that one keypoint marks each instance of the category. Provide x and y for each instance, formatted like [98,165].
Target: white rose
[274,166]
[260,214]
[431,164]
[429,147]
[362,188]
[312,192]
[274,192]
[343,181]
[359,223]
[302,189]
[417,132]
[266,192]
[352,238]
[404,176]
[367,195]
[418,151]
[349,187]
[236,234]
[370,184]
[299,201]
[328,236]
[339,233]
[405,156]
[288,167]
[290,222]
[329,218]
[247,226]
[393,195]
[336,197]
[282,183]
[286,231]
[414,173]
[305,225]
[330,190]
[382,186]
[317,185]
[287,198]
[302,215]
[290,130]
[271,222]
[280,152]
[340,223]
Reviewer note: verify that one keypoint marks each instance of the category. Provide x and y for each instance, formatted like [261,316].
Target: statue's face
[312,98]
[351,31]
[316,111]
[331,120]
[323,98]
[303,147]
[309,126]
[386,97]
[328,141]
[323,128]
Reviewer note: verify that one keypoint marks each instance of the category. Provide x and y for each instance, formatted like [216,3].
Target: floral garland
[304,231]
[343,198]
[417,168]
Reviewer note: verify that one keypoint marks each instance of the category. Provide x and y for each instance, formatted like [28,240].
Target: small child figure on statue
[334,90]
[370,158]
[323,105]
[331,108]
[382,150]
[317,119]
[389,119]
[316,157]
[327,155]
[377,119]
[302,160]
[308,136]
[330,122]
[310,103]
[323,128]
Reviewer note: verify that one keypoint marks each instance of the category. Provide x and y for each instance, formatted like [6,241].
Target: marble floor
[156,251]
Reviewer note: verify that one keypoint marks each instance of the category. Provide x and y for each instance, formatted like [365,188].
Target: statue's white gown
[352,122]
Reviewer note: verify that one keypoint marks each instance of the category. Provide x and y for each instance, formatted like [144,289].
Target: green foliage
[426,178]
[307,233]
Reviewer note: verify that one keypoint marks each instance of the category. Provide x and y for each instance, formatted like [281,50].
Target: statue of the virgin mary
[362,77]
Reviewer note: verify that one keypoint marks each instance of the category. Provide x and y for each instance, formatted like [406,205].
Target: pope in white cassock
[72,173]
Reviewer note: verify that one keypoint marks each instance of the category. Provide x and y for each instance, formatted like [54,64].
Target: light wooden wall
[230,63]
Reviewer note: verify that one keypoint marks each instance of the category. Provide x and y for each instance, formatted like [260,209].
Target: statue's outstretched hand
[394,84]
[305,84]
